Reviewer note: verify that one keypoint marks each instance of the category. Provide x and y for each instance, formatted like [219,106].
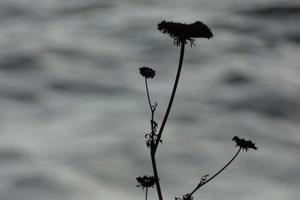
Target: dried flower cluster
[146,181]
[183,32]
[147,72]
[244,144]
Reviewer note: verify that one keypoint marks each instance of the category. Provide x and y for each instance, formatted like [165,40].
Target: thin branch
[146,195]
[148,94]
[216,174]
[152,111]
[172,95]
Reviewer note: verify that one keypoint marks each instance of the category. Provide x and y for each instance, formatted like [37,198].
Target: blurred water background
[73,109]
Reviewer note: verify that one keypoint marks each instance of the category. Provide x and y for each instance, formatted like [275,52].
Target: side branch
[216,174]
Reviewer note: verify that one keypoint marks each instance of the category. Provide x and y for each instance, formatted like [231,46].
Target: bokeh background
[73,109]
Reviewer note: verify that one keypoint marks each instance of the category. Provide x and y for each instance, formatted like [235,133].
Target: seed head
[146,181]
[244,144]
[147,72]
[183,32]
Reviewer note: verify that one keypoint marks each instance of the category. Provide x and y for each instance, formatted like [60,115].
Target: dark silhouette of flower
[244,144]
[183,32]
[147,72]
[146,181]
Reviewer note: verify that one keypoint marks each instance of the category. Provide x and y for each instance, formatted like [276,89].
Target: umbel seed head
[147,72]
[183,32]
[146,181]
[244,144]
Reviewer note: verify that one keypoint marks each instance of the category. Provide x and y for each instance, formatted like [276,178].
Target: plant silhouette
[181,34]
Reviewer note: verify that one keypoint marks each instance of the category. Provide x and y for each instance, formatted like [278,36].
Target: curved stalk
[172,95]
[216,174]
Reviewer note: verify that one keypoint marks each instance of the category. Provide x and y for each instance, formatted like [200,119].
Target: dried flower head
[203,180]
[147,72]
[244,144]
[146,181]
[183,32]
[185,197]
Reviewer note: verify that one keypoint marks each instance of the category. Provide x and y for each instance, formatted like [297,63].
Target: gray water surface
[73,109]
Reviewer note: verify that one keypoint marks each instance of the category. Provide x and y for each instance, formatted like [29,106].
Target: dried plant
[181,34]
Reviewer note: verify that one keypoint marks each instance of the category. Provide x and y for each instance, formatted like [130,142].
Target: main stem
[160,197]
[154,148]
[216,174]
